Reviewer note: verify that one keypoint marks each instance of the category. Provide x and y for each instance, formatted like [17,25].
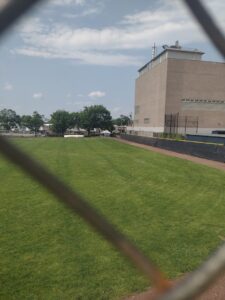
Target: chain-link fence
[196,282]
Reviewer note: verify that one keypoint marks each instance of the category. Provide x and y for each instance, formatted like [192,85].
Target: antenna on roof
[176,46]
[154,51]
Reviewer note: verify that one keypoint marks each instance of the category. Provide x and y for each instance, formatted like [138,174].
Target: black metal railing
[177,124]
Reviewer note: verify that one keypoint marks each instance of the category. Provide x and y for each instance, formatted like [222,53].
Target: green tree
[33,122]
[96,116]
[37,121]
[123,120]
[75,120]
[9,119]
[26,121]
[60,121]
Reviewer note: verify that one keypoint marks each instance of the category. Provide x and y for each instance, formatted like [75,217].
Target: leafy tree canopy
[9,119]
[75,120]
[33,122]
[60,121]
[123,120]
[96,116]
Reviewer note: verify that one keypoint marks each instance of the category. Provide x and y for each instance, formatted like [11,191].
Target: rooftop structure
[173,51]
[177,82]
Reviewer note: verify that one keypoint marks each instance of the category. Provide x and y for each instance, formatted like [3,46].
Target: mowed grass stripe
[173,209]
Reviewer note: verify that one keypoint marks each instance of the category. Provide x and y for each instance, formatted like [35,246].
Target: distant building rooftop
[175,52]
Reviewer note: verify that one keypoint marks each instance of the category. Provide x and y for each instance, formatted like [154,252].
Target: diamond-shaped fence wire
[196,282]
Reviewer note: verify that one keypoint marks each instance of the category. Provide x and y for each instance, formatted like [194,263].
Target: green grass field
[173,209]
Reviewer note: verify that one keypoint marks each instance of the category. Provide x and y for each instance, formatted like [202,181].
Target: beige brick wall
[203,83]
[160,91]
[150,92]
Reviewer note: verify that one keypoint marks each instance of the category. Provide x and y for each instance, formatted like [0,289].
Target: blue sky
[68,54]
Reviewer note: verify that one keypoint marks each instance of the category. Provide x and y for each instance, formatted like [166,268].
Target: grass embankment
[173,209]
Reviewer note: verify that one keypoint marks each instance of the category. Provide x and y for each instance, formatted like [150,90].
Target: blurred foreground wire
[82,208]
[12,10]
[196,282]
[208,24]
[200,279]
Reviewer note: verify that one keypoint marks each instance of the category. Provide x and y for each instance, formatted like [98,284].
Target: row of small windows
[203,101]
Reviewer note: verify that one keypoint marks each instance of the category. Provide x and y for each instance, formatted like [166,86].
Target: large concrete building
[180,92]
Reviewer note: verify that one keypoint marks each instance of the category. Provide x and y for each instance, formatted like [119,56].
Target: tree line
[95,116]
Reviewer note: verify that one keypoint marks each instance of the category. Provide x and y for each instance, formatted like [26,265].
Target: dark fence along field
[204,150]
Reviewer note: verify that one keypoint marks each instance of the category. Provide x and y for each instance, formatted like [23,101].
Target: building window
[137,109]
[146,120]
[204,101]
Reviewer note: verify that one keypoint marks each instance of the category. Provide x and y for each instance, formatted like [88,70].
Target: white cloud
[92,58]
[65,38]
[85,13]
[109,45]
[38,95]
[8,86]
[67,2]
[148,17]
[96,94]
[31,26]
